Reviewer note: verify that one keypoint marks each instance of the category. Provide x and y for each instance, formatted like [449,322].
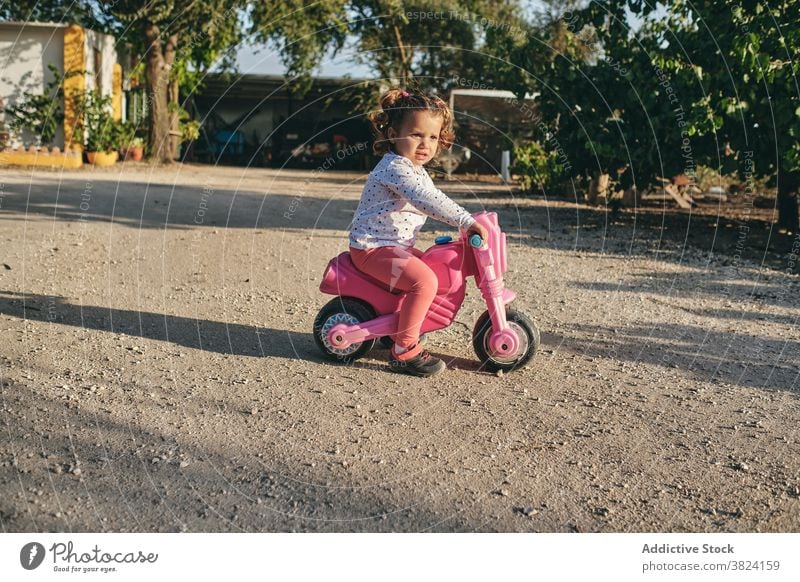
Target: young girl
[398,197]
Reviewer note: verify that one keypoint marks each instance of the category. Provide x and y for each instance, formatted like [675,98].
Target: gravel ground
[159,374]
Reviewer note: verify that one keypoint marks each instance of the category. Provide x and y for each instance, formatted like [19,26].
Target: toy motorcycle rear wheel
[526,330]
[342,310]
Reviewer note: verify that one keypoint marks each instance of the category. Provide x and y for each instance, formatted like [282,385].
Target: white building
[26,50]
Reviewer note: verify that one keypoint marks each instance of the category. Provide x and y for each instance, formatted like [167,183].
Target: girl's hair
[396,104]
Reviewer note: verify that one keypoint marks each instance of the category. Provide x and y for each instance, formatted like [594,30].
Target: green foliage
[88,14]
[731,65]
[704,83]
[127,135]
[103,132]
[189,128]
[41,114]
[302,31]
[537,168]
[432,42]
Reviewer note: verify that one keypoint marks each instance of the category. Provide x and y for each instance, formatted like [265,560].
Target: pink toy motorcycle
[365,310]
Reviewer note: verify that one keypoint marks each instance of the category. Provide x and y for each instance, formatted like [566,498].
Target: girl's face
[418,137]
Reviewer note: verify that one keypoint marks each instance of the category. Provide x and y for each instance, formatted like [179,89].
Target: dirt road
[158,371]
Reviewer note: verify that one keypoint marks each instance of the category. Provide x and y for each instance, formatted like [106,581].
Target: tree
[429,43]
[67,11]
[744,56]
[179,41]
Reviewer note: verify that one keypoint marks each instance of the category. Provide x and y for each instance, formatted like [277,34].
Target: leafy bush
[536,168]
[103,132]
[40,114]
[127,134]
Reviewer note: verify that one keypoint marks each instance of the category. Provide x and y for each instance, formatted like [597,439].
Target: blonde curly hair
[396,104]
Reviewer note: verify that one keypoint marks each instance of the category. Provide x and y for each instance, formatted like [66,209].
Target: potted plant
[132,147]
[135,150]
[103,133]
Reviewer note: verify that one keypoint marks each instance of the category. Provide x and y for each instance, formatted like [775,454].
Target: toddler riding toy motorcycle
[365,309]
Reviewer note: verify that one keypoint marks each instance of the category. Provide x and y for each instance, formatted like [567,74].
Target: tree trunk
[631,197]
[157,73]
[788,218]
[405,65]
[174,122]
[157,79]
[172,98]
[598,187]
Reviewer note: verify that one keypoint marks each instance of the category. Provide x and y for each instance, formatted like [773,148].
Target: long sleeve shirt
[396,201]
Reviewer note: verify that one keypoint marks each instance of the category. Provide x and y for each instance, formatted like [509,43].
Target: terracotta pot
[102,159]
[135,154]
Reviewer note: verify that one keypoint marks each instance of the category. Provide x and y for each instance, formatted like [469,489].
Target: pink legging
[400,268]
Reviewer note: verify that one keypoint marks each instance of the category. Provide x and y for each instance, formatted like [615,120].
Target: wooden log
[672,190]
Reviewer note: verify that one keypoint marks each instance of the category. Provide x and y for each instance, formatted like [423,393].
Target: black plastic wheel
[342,310]
[529,336]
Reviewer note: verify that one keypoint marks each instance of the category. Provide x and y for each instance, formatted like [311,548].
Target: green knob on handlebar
[476,241]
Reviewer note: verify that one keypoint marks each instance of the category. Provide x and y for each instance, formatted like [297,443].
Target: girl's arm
[401,179]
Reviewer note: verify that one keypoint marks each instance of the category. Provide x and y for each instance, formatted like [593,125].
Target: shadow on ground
[553,223]
[200,334]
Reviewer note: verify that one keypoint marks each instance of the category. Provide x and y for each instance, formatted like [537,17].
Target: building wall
[102,77]
[25,53]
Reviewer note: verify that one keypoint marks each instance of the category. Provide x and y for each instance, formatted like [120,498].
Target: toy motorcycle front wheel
[342,310]
[528,335]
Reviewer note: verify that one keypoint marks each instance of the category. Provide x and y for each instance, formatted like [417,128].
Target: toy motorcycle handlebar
[475,241]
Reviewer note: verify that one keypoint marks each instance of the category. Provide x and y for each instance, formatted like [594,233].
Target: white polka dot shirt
[396,201]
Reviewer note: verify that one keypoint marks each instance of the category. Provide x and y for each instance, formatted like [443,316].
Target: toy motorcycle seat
[373,280]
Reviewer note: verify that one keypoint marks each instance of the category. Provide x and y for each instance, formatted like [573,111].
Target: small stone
[184,464]
[254,411]
[76,471]
[741,467]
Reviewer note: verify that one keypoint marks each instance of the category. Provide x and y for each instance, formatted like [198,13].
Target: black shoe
[387,342]
[422,365]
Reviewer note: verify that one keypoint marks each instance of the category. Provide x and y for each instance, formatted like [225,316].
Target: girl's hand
[478,229]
